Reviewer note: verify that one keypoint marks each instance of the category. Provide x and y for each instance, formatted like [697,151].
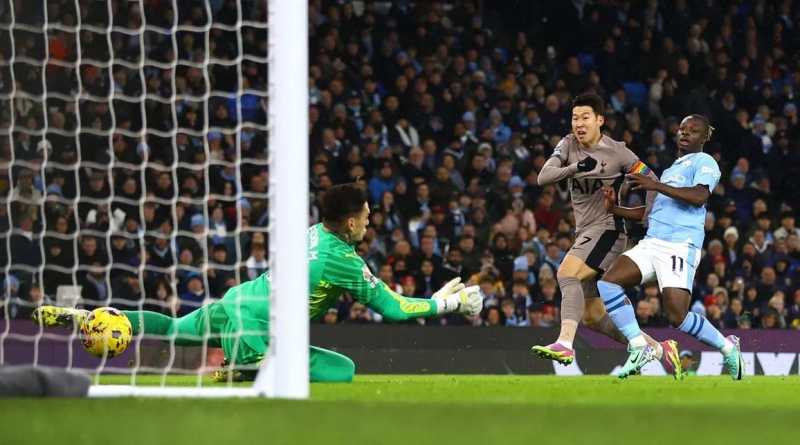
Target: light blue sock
[619,309]
[698,327]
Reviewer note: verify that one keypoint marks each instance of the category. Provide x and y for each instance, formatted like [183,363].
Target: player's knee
[348,369]
[562,273]
[334,368]
[676,306]
[675,316]
[566,279]
[675,313]
[589,320]
[592,315]
[610,277]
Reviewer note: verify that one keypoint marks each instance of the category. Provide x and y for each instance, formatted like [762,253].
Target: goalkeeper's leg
[188,330]
[329,366]
[193,329]
[324,366]
[245,344]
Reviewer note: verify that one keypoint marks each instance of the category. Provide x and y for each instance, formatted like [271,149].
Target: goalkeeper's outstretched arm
[371,291]
[396,307]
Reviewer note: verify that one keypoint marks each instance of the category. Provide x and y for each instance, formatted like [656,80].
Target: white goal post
[285,373]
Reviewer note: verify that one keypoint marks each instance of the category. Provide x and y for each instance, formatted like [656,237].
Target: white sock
[727,347]
[565,343]
[638,342]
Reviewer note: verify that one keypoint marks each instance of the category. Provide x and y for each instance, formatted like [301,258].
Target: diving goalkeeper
[239,322]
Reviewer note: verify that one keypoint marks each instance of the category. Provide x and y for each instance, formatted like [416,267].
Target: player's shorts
[672,264]
[598,247]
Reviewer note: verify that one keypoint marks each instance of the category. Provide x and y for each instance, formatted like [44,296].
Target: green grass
[414,410]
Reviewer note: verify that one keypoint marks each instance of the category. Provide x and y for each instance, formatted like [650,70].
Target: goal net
[143,168]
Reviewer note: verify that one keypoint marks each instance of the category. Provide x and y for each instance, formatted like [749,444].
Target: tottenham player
[592,161]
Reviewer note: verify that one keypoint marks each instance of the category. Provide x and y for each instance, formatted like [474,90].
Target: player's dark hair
[341,202]
[706,122]
[590,100]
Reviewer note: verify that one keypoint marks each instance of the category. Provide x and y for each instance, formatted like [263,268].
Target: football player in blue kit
[670,251]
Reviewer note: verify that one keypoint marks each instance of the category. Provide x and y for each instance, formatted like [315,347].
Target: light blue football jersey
[677,221]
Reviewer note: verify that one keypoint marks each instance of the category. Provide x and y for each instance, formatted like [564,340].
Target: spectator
[494,318]
[689,362]
[509,314]
[24,243]
[194,295]
[164,299]
[793,312]
[643,313]
[25,190]
[221,275]
[428,280]
[787,226]
[331,317]
[256,263]
[126,291]
[94,286]
[382,183]
[359,314]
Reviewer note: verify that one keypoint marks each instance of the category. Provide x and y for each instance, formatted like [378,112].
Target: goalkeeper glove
[467,301]
[450,287]
[587,164]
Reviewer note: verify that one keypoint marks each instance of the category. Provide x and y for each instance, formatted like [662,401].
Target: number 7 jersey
[677,221]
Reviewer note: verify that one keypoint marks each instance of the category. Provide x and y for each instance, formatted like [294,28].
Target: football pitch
[435,409]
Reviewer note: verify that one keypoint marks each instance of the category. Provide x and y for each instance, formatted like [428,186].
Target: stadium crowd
[444,110]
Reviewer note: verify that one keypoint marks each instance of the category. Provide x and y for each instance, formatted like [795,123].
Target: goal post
[285,372]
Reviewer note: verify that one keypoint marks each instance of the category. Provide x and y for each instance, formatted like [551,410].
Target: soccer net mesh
[133,142]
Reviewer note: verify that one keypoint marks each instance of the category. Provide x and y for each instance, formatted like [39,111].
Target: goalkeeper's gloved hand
[467,301]
[450,287]
[587,164]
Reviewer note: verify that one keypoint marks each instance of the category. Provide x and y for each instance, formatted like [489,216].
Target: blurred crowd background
[153,180]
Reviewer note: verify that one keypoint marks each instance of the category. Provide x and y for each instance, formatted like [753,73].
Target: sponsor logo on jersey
[586,186]
[313,243]
[674,179]
[368,277]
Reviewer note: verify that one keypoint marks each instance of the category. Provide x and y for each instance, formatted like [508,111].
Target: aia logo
[586,186]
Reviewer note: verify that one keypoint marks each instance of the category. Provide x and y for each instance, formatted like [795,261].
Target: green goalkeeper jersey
[334,268]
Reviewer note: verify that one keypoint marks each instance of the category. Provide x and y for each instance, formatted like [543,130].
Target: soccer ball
[106,331]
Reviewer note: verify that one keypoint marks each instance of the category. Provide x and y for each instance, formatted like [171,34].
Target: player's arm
[632,165]
[610,202]
[705,178]
[696,195]
[396,307]
[554,170]
[452,297]
[354,276]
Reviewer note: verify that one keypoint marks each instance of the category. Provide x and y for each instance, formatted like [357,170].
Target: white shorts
[673,264]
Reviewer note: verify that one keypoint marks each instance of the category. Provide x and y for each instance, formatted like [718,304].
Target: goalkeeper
[239,322]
